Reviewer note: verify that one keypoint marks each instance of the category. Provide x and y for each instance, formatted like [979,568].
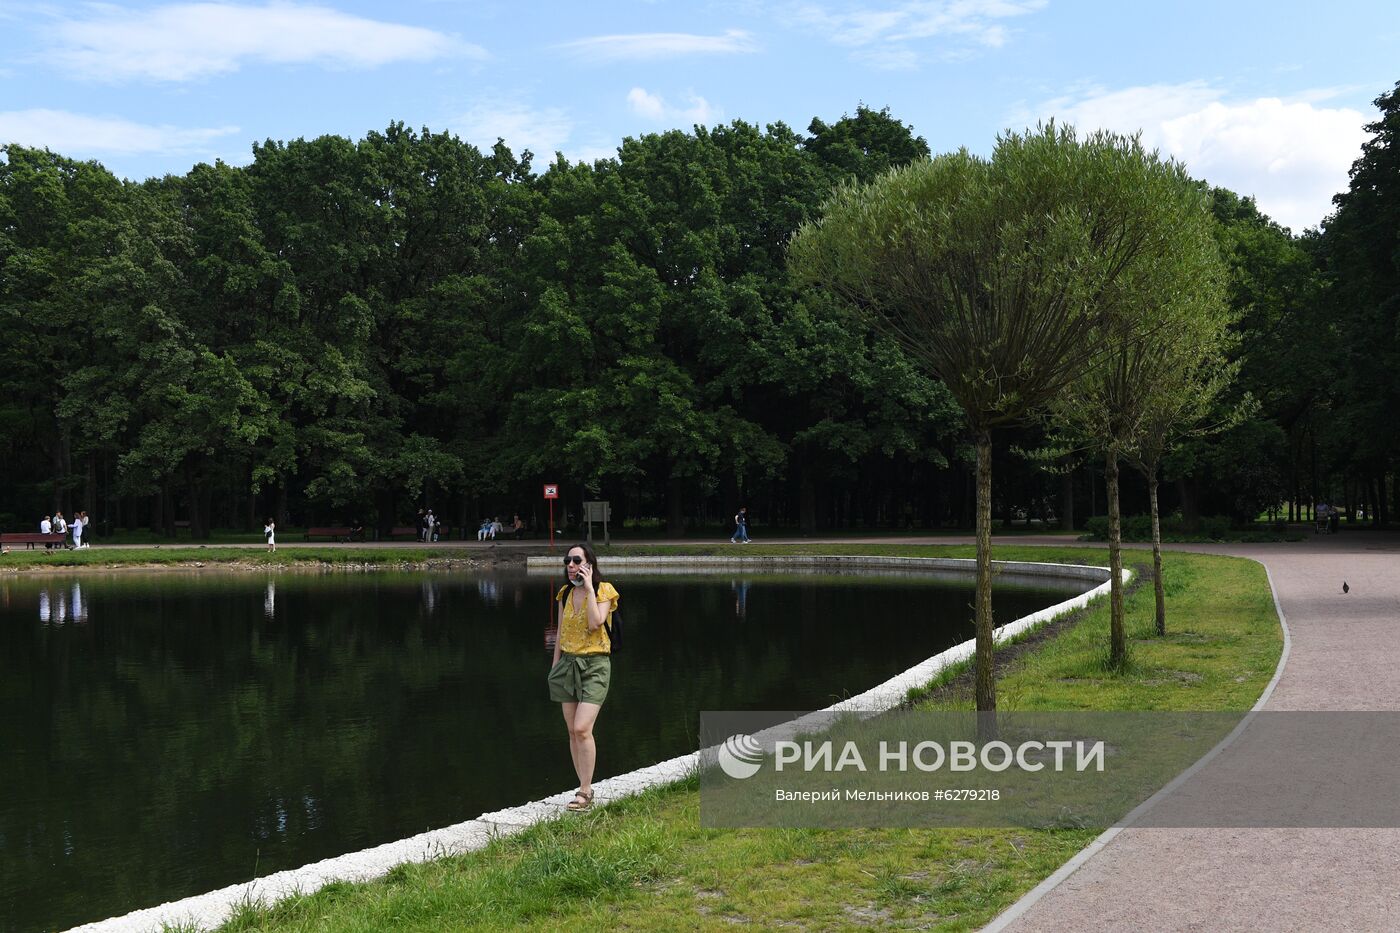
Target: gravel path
[1343,656]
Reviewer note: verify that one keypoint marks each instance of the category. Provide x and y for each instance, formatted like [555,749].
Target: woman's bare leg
[581,737]
[569,712]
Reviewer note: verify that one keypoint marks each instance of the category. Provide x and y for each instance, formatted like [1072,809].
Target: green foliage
[1139,528]
[356,328]
[1060,270]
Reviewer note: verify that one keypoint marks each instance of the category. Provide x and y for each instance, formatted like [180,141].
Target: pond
[162,735]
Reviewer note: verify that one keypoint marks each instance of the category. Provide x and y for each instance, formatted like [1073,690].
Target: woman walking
[270,533]
[582,668]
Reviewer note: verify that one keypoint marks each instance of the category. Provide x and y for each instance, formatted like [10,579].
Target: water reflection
[270,600]
[741,598]
[59,605]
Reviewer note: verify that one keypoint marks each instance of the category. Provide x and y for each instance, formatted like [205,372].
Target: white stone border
[209,910]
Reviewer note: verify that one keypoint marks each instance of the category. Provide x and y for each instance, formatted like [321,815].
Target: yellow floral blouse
[574,636]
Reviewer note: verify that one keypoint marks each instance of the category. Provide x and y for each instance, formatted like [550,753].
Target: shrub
[1139,528]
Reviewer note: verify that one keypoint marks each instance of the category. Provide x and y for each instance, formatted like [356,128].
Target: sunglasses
[573,560]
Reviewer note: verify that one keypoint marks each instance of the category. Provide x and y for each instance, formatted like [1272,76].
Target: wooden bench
[403,531]
[32,538]
[334,532]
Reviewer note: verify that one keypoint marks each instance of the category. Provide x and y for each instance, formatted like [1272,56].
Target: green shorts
[580,678]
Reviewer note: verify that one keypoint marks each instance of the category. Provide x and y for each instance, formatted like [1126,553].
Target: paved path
[1345,655]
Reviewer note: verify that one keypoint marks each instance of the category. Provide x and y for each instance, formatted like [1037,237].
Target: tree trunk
[194,505]
[60,461]
[1190,510]
[205,491]
[386,514]
[986,681]
[1157,589]
[1067,500]
[807,505]
[167,510]
[90,487]
[282,514]
[158,512]
[675,511]
[1118,645]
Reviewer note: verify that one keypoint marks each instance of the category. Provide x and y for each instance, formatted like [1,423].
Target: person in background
[60,525]
[518,527]
[46,528]
[741,526]
[78,531]
[270,533]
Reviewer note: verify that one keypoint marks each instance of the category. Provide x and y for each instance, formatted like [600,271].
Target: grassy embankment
[645,864]
[195,555]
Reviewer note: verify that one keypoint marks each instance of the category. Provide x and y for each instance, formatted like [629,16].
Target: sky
[1266,98]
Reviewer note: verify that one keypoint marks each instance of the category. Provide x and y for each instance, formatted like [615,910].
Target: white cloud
[543,132]
[655,108]
[650,106]
[181,42]
[1290,155]
[653,45]
[81,135]
[968,22]
[888,58]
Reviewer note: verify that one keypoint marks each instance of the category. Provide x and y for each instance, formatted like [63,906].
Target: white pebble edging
[209,910]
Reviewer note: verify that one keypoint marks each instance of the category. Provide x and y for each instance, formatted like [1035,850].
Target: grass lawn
[168,555]
[645,864]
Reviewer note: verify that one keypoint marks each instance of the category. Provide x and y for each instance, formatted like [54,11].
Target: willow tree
[1166,324]
[1189,374]
[995,275]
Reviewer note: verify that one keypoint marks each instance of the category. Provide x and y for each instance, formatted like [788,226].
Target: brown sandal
[582,801]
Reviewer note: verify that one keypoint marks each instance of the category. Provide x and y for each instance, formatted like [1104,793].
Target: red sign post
[551,492]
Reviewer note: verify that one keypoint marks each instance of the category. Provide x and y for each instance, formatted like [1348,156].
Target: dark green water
[165,735]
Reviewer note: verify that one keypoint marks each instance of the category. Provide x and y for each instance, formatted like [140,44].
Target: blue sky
[1267,98]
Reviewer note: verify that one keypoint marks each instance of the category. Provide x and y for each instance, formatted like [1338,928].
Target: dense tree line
[356,329]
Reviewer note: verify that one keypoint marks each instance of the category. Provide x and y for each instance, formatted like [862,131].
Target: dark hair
[590,558]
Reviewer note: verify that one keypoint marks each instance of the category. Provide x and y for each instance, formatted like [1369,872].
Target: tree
[1193,377]
[1360,250]
[1162,369]
[994,276]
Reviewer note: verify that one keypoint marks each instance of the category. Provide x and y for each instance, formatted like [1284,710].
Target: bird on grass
[1345,588]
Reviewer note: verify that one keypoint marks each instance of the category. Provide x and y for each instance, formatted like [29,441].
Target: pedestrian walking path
[1344,655]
